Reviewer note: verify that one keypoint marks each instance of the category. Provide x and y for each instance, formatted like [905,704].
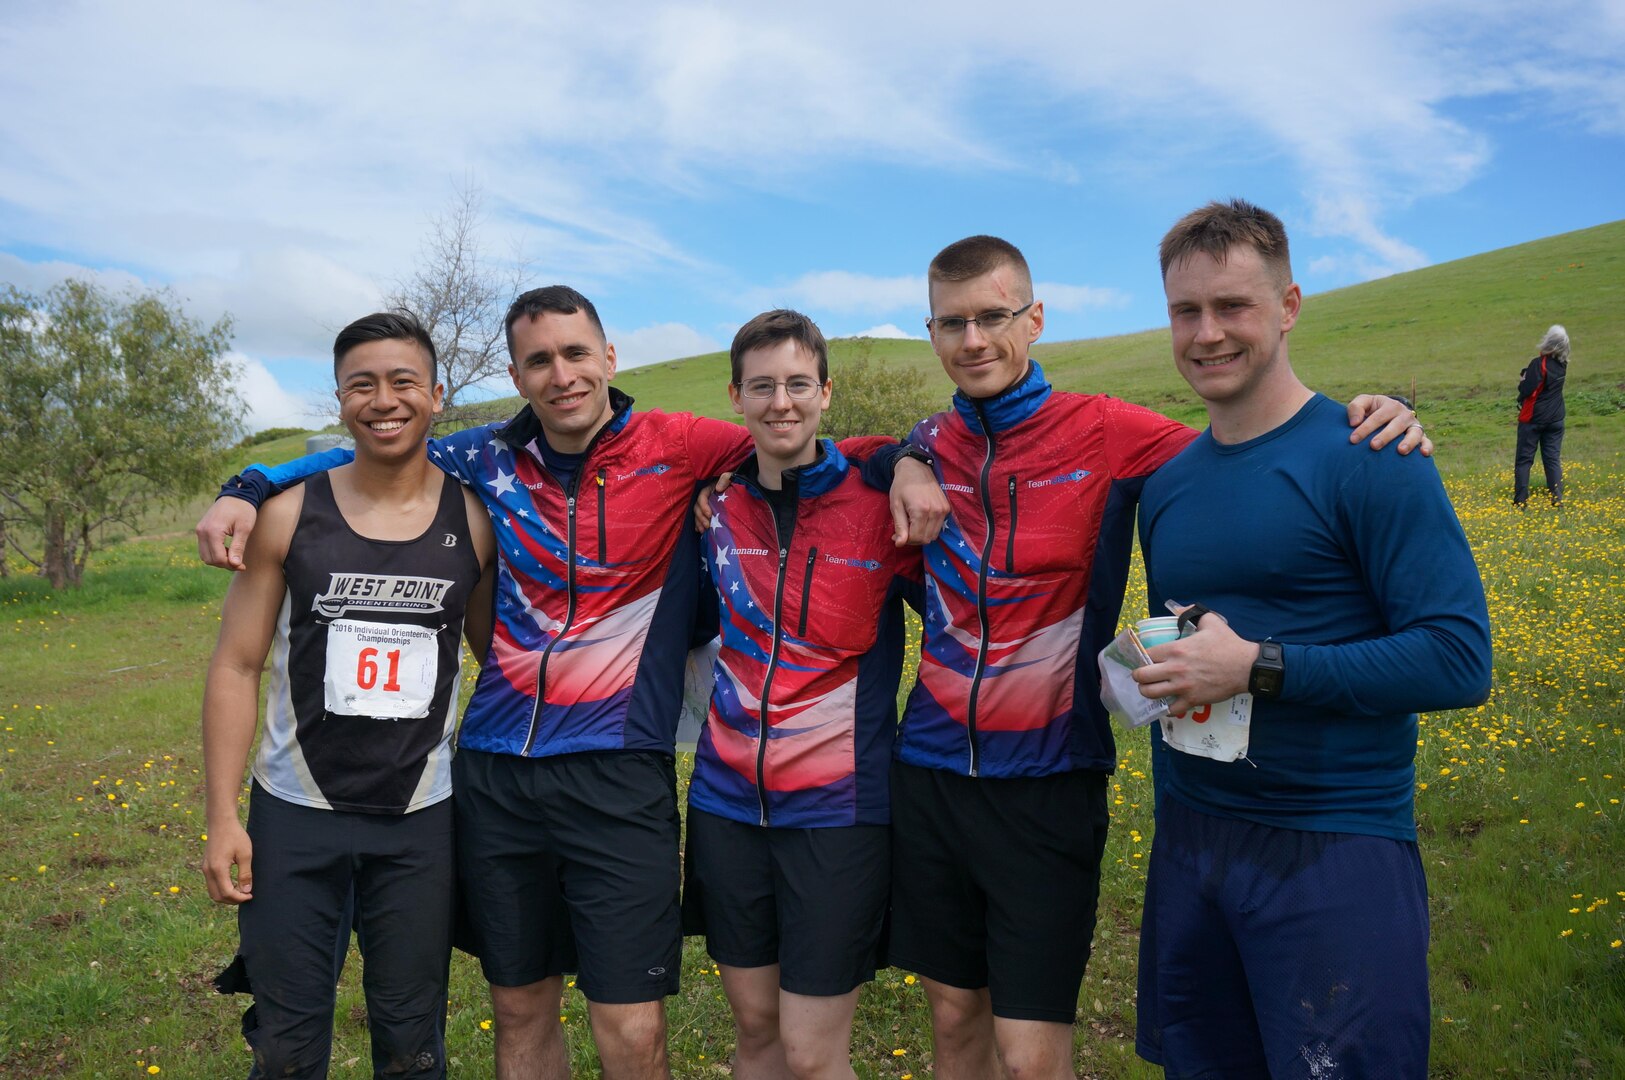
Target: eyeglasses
[800,387]
[988,322]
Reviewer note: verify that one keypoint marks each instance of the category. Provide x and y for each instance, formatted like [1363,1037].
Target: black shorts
[995,884]
[812,901]
[569,863]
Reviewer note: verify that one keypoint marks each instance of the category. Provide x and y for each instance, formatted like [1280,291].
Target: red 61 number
[366,669]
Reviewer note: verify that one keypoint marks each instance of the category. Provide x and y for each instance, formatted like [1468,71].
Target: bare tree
[460,295]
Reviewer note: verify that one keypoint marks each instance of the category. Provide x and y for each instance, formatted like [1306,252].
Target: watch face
[1267,671]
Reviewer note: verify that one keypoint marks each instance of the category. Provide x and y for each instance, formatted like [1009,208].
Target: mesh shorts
[1282,953]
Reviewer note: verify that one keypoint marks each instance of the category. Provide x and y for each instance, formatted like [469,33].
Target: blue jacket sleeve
[467,456]
[259,482]
[708,611]
[879,466]
[1416,562]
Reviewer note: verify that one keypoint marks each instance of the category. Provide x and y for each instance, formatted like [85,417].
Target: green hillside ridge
[1457,334]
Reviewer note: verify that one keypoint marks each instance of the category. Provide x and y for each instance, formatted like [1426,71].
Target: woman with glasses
[788,852]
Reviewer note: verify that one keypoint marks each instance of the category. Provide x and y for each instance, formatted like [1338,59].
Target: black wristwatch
[918,454]
[1268,671]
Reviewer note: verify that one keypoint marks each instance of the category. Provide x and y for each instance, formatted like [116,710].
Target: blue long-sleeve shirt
[1356,562]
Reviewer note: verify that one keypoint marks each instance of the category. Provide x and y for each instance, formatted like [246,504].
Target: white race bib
[380,669]
[1219,731]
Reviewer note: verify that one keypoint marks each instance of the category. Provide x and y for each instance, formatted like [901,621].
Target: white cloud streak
[664,341]
[888,330]
[280,160]
[269,405]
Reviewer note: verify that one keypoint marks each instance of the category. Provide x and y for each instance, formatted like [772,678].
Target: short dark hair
[772,327]
[1219,226]
[397,325]
[977,255]
[558,299]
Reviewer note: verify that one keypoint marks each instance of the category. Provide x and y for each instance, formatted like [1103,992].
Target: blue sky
[687,165]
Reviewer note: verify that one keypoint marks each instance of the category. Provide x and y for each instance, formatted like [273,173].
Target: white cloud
[269,405]
[151,137]
[844,292]
[1059,297]
[652,344]
[888,330]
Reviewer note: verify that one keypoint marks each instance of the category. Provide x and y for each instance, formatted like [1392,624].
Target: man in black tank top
[358,586]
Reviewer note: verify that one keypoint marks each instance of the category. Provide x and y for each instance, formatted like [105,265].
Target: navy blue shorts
[1281,953]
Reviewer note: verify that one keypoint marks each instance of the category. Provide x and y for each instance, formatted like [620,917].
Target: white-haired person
[1540,417]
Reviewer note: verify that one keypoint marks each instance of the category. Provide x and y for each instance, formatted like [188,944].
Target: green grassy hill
[1456,334]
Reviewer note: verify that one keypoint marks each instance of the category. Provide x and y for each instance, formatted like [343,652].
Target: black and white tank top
[362,701]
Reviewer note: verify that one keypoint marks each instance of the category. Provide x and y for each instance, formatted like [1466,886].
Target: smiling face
[1229,320]
[387,398]
[785,428]
[981,363]
[562,366]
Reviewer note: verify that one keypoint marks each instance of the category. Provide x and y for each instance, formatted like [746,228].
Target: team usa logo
[1067,478]
[380,592]
[647,470]
[862,564]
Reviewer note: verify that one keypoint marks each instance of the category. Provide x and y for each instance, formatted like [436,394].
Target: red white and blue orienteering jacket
[804,711]
[597,583]
[1025,584]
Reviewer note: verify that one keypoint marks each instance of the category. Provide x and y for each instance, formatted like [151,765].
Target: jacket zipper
[806,593]
[785,531]
[767,685]
[1010,541]
[981,599]
[603,539]
[569,582]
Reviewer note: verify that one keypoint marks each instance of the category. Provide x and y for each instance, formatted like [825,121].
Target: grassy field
[110,941]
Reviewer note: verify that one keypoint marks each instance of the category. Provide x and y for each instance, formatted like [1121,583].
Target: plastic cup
[1158,631]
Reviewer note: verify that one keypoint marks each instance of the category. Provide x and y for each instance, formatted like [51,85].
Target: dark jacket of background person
[1540,416]
[1540,391]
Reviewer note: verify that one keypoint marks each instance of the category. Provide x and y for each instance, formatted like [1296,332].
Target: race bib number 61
[380,669]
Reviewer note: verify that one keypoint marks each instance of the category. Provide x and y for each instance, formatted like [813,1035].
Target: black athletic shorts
[995,884]
[569,863]
[812,901]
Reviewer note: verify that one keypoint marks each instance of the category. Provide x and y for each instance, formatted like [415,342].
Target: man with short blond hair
[1286,926]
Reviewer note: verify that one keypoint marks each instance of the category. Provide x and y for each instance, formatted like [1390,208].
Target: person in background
[1540,417]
